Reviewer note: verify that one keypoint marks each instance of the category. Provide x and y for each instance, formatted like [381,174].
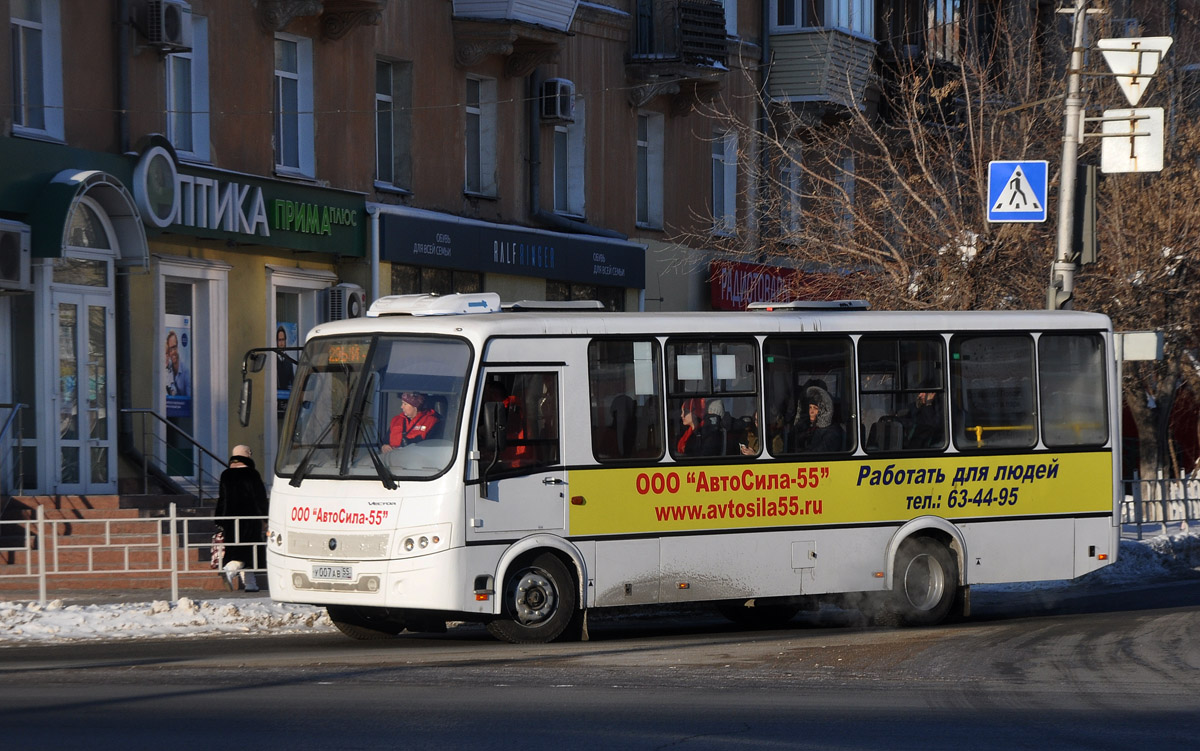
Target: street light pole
[1062,273]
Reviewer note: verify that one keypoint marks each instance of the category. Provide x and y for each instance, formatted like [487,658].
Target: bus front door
[526,486]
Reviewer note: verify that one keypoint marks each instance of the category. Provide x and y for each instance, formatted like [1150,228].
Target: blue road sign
[1017,191]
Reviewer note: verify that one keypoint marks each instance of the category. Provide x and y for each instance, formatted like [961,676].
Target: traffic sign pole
[1062,272]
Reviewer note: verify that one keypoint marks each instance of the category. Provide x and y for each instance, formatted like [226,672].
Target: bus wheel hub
[535,599]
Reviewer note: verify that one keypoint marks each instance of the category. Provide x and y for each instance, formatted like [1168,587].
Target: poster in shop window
[178,373]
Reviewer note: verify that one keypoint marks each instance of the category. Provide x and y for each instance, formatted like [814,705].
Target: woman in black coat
[242,494]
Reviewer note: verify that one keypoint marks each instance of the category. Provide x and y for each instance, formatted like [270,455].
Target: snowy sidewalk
[142,614]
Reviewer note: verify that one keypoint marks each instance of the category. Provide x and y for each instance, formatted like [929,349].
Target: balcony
[527,33]
[920,84]
[676,43]
[338,17]
[821,68]
[552,14]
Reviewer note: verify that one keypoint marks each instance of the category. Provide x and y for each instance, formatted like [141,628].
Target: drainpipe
[122,29]
[373,212]
[536,213]
[124,359]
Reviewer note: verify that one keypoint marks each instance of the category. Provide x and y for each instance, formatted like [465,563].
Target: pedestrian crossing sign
[1017,191]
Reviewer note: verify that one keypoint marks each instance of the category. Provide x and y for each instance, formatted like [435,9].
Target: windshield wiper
[302,467]
[385,475]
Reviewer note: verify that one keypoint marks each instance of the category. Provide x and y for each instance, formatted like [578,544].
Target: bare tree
[888,200]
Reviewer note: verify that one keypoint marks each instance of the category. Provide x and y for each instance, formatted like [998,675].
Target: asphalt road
[1105,669]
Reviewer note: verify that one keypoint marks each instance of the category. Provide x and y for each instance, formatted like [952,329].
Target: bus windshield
[374,407]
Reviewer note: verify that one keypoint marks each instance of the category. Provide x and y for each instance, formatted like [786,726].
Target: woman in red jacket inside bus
[412,424]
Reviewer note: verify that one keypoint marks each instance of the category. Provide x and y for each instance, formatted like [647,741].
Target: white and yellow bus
[573,459]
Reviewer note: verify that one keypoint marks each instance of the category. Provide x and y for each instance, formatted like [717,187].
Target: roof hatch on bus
[811,305]
[455,304]
[545,306]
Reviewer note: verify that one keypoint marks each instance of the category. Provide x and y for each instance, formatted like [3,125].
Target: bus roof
[453,314]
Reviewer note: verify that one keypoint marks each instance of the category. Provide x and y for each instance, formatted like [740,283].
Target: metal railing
[1160,503]
[173,547]
[160,456]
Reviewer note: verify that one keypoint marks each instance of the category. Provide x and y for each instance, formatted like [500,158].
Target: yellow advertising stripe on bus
[682,498]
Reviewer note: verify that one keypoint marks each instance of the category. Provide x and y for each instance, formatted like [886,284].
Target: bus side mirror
[256,361]
[244,404]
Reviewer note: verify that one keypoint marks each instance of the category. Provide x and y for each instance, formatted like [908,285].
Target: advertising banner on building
[426,238]
[735,285]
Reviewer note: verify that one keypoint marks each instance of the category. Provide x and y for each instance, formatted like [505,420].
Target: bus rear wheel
[538,602]
[924,584]
[364,623]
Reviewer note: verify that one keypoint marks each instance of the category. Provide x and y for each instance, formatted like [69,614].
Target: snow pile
[1158,558]
[56,621]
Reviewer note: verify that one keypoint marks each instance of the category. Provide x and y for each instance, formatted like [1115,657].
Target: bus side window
[529,404]
[991,378]
[624,387]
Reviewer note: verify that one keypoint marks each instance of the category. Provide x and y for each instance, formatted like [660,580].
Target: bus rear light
[577,500]
[482,597]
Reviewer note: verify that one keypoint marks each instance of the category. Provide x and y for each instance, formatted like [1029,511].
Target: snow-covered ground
[1155,558]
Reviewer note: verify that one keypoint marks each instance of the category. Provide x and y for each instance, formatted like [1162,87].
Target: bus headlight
[426,541]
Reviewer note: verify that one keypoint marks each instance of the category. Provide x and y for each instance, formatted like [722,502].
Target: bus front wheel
[538,602]
[365,623]
[923,585]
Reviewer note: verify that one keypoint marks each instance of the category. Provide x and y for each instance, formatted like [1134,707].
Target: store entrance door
[85,402]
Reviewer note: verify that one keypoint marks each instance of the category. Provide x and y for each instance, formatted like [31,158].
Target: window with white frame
[481,136]
[650,148]
[393,124]
[852,15]
[294,147]
[724,182]
[791,175]
[569,165]
[37,87]
[187,96]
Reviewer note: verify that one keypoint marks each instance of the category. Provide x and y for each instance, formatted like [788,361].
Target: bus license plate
[337,573]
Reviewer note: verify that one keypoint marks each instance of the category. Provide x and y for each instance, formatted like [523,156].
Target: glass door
[85,402]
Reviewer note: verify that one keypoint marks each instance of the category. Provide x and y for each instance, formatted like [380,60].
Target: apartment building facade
[186,180]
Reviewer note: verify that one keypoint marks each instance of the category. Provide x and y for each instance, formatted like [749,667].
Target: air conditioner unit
[558,100]
[167,24]
[344,301]
[14,258]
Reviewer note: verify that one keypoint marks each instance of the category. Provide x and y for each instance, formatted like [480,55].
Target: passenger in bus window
[817,433]
[751,444]
[925,427]
[695,440]
[412,424]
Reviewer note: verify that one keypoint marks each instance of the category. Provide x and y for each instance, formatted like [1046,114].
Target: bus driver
[412,424]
